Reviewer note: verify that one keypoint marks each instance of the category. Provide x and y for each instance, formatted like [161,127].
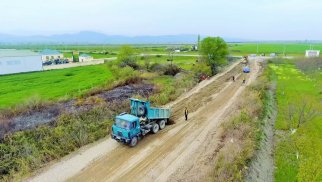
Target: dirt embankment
[47,114]
[262,165]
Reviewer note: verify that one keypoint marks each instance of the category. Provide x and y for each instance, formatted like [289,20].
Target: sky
[245,19]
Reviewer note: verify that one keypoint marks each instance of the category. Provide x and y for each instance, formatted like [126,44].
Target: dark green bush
[171,70]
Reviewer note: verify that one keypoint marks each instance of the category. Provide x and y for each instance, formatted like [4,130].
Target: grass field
[51,85]
[298,156]
[267,48]
[182,61]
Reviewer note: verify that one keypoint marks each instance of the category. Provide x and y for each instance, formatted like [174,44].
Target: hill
[89,37]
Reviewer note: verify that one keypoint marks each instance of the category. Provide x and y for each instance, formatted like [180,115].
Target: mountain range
[89,37]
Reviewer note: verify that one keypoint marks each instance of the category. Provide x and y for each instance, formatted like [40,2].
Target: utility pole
[198,42]
[257,47]
[170,57]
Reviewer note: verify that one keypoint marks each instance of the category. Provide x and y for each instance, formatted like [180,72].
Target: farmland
[298,154]
[51,85]
[291,49]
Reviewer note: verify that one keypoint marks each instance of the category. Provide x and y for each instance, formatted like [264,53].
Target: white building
[18,61]
[312,53]
[85,58]
[47,55]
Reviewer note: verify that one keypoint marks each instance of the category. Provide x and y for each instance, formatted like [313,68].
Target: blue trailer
[129,128]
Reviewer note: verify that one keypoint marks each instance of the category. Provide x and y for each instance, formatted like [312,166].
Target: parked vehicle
[65,61]
[246,69]
[130,128]
[47,63]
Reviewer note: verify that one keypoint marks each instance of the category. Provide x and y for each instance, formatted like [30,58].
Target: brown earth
[180,152]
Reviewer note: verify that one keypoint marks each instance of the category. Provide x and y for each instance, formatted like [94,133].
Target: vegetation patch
[294,49]
[23,152]
[298,155]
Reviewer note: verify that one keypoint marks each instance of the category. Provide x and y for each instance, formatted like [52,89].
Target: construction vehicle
[129,128]
[244,60]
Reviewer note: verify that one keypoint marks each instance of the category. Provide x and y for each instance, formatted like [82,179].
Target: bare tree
[297,114]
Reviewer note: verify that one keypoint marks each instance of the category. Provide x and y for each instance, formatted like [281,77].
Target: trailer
[129,128]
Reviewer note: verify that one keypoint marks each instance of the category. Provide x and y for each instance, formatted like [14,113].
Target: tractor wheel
[134,141]
[162,124]
[155,128]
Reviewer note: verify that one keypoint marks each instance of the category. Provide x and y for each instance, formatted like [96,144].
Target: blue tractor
[130,128]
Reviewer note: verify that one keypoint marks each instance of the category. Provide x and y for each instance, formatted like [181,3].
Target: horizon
[252,20]
[238,39]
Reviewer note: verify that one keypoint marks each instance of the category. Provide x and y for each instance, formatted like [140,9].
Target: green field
[49,85]
[298,156]
[291,49]
[185,62]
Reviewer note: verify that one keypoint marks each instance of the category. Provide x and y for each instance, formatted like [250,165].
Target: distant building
[312,53]
[47,55]
[177,50]
[85,58]
[19,61]
[272,55]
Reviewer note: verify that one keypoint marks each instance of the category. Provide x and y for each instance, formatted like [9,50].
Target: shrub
[201,68]
[309,65]
[130,63]
[124,73]
[156,67]
[171,70]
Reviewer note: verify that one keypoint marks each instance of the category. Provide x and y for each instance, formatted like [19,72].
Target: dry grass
[92,100]
[110,86]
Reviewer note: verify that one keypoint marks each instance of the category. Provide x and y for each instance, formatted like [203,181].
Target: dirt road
[169,155]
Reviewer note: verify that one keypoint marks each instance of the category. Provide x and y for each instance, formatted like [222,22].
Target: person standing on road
[233,78]
[244,80]
[186,113]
